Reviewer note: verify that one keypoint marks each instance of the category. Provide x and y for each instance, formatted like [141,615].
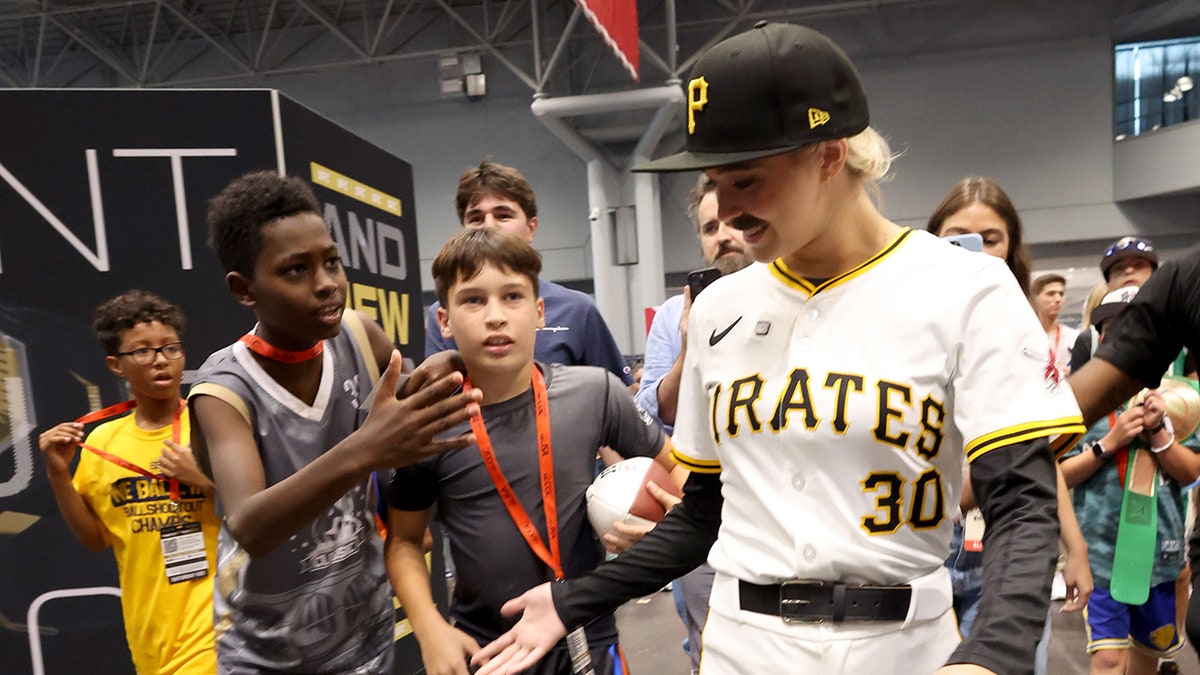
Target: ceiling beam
[488,46]
[332,27]
[88,41]
[228,51]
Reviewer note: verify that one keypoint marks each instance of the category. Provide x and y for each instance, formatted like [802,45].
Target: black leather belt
[802,600]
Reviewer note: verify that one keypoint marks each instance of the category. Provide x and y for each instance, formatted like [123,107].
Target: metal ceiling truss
[146,43]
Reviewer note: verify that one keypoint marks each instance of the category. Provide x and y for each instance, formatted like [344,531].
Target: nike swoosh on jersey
[717,337]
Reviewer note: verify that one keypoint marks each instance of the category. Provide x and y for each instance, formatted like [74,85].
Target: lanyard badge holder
[182,542]
[577,644]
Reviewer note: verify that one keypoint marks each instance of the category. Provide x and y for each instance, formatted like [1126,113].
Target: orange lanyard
[114,410]
[1054,349]
[269,351]
[550,555]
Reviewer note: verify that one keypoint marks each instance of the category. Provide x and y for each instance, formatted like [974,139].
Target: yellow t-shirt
[169,626]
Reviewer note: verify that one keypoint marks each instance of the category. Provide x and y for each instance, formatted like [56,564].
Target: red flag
[616,20]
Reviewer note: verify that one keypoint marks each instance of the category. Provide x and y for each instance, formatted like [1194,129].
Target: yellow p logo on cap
[697,99]
[817,117]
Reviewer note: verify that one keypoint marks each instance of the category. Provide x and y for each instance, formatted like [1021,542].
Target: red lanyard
[549,556]
[114,410]
[1121,454]
[1051,372]
[268,351]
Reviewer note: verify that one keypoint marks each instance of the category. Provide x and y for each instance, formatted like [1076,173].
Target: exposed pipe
[672,40]
[621,296]
[621,101]
[536,29]
[558,50]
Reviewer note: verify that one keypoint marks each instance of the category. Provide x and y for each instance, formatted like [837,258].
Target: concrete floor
[651,634]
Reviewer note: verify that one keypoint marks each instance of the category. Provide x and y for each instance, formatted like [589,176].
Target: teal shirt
[1098,507]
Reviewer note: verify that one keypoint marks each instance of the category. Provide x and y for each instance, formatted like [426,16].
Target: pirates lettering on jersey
[887,412]
[842,384]
[899,419]
[741,398]
[894,408]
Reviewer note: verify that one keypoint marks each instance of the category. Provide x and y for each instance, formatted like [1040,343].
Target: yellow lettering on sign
[389,308]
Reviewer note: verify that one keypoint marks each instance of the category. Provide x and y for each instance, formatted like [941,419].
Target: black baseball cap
[1128,247]
[773,89]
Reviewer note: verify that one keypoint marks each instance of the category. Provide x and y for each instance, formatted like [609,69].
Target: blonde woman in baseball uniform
[829,399]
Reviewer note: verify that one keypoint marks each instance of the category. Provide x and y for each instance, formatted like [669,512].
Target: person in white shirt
[1046,295]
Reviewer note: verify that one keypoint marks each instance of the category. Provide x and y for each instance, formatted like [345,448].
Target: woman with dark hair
[979,205]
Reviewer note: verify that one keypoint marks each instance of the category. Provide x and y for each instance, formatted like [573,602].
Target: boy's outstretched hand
[527,642]
[403,430]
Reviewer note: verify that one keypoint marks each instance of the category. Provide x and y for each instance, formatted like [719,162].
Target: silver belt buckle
[786,602]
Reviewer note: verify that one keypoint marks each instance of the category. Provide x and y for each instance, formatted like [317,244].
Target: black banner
[102,191]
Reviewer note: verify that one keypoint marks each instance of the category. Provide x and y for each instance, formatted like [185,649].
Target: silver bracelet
[1166,424]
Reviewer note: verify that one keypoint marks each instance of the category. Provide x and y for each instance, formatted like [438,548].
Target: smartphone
[971,242]
[700,279]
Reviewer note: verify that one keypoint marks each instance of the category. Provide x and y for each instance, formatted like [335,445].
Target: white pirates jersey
[839,415]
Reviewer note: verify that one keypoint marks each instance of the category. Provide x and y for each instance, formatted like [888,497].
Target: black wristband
[1098,451]
[1161,425]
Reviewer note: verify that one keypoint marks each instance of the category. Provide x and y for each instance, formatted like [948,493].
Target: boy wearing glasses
[139,490]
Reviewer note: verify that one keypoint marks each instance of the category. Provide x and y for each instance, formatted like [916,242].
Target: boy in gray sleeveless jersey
[300,572]
[486,282]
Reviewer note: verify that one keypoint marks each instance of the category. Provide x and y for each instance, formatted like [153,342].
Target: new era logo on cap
[768,91]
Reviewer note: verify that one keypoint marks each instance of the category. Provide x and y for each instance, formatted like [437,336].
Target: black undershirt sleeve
[1015,487]
[676,546]
[1146,336]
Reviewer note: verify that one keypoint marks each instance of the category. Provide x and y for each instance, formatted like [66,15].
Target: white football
[619,494]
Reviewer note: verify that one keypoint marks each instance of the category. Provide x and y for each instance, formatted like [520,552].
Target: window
[1155,85]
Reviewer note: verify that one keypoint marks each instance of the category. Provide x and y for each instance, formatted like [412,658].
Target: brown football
[620,493]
